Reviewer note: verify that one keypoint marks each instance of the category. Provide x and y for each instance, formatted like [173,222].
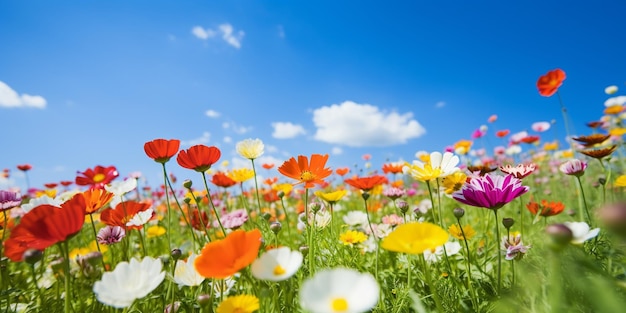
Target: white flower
[424,206]
[355,218]
[277,264]
[129,281]
[66,195]
[339,290]
[610,90]
[185,273]
[581,231]
[250,148]
[141,218]
[228,283]
[35,202]
[619,100]
[513,149]
[119,188]
[452,248]
[322,219]
[446,163]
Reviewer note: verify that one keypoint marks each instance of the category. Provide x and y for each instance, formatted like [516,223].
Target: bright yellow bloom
[285,188]
[453,182]
[352,237]
[614,109]
[551,146]
[239,304]
[566,154]
[155,231]
[52,193]
[331,197]
[620,181]
[415,238]
[92,247]
[455,231]
[617,132]
[462,146]
[240,175]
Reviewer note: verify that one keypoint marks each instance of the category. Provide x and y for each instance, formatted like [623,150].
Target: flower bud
[266,216]
[172,307]
[304,250]
[458,213]
[508,222]
[176,254]
[602,181]
[204,300]
[280,194]
[275,227]
[365,196]
[32,256]
[403,206]
[187,183]
[560,235]
[187,200]
[315,207]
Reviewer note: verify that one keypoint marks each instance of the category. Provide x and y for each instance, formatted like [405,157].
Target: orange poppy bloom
[547,208]
[123,213]
[270,181]
[198,157]
[50,185]
[599,153]
[220,179]
[342,171]
[95,199]
[530,139]
[393,168]
[66,183]
[268,166]
[366,183]
[97,177]
[44,226]
[502,133]
[549,83]
[161,150]
[305,172]
[24,167]
[223,258]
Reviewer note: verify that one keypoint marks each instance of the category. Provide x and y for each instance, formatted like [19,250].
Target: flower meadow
[527,226]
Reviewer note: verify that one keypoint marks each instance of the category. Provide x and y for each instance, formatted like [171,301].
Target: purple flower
[110,235]
[9,200]
[514,247]
[491,191]
[573,167]
[393,193]
[234,219]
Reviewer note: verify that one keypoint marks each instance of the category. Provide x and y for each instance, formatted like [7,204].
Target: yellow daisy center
[98,177]
[340,305]
[279,270]
[307,176]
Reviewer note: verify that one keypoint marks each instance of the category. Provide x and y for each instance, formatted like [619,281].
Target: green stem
[180,208]
[429,281]
[169,209]
[473,296]
[432,202]
[282,203]
[95,236]
[39,294]
[63,247]
[206,230]
[495,212]
[566,121]
[208,193]
[256,186]
[582,194]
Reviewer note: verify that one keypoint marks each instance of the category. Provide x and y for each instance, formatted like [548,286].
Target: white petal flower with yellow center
[277,264]
[185,273]
[339,290]
[250,148]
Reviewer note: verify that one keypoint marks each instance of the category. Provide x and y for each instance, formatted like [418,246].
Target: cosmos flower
[514,247]
[581,232]
[185,273]
[435,255]
[549,83]
[366,183]
[502,133]
[233,220]
[129,281]
[415,238]
[352,237]
[455,231]
[140,218]
[491,191]
[342,171]
[331,197]
[599,153]
[307,173]
[439,165]
[199,158]
[277,264]
[592,140]
[110,234]
[519,171]
[161,150]
[97,177]
[394,167]
[339,290]
[120,188]
[250,148]
[236,251]
[540,127]
[453,182]
[573,167]
[355,218]
[95,199]
[394,193]
[35,202]
[240,175]
[124,213]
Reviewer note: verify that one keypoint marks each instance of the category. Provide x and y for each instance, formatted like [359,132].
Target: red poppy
[51,185]
[66,183]
[271,196]
[220,179]
[305,172]
[123,213]
[549,83]
[342,171]
[366,183]
[268,166]
[195,220]
[393,168]
[44,226]
[530,139]
[238,250]
[24,167]
[161,150]
[502,133]
[97,177]
[198,157]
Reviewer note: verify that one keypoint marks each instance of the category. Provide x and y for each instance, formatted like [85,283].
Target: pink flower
[573,167]
[491,191]
[234,219]
[393,219]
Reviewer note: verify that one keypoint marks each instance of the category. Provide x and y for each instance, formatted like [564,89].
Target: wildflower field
[528,227]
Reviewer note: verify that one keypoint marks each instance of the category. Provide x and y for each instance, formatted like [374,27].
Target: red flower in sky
[502,133]
[123,213]
[342,171]
[530,139]
[24,167]
[44,226]
[161,150]
[366,183]
[549,84]
[220,179]
[268,166]
[51,185]
[198,157]
[97,177]
[66,183]
[393,168]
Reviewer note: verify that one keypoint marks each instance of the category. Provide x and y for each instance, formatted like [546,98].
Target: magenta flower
[491,191]
[9,200]
[110,235]
[234,219]
[394,193]
[573,167]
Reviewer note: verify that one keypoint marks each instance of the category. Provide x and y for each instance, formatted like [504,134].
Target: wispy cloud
[287,130]
[364,125]
[212,113]
[204,139]
[440,104]
[9,98]
[336,151]
[238,129]
[226,30]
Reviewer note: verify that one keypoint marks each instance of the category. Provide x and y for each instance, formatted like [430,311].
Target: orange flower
[44,226]
[309,174]
[549,84]
[613,110]
[122,213]
[366,183]
[161,150]
[393,168]
[342,171]
[530,139]
[223,258]
[592,139]
[599,153]
[95,199]
[595,124]
[502,133]
[547,208]
[220,179]
[268,166]
[198,157]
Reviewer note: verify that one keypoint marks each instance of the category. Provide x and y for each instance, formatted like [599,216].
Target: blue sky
[111,75]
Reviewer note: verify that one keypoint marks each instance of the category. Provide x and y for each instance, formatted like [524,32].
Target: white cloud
[271,148]
[229,35]
[204,139]
[287,130]
[236,128]
[212,113]
[336,151]
[9,98]
[440,104]
[363,125]
[227,139]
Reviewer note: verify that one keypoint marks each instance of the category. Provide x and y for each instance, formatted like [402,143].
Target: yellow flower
[567,154]
[52,193]
[462,146]
[617,132]
[240,175]
[614,109]
[250,148]
[92,247]
[453,182]
[620,181]
[331,197]
[425,173]
[455,231]
[551,146]
[285,188]
[239,304]
[415,238]
[352,237]
[155,231]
